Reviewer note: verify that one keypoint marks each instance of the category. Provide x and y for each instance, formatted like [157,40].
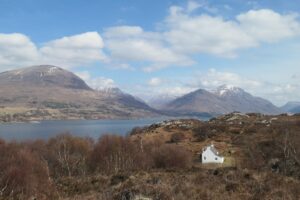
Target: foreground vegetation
[160,162]
[36,169]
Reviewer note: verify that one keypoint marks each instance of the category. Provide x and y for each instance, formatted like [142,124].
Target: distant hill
[159,101]
[295,110]
[42,76]
[225,99]
[291,107]
[58,93]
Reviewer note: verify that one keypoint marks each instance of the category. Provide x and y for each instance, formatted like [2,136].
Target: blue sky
[160,48]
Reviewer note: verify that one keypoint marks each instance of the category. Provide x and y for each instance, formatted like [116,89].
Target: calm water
[91,128]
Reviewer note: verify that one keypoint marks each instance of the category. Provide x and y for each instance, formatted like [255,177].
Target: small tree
[177,137]
[23,174]
[170,156]
[68,155]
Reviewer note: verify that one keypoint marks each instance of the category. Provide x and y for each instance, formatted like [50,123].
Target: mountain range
[50,92]
[225,99]
[291,107]
[58,93]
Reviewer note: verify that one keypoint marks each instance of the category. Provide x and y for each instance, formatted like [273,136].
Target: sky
[160,48]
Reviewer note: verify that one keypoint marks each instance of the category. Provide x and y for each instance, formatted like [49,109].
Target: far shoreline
[32,121]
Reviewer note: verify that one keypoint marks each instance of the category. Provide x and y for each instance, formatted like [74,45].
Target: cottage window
[204,158]
[216,158]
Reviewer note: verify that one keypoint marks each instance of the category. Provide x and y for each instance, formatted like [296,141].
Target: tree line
[30,169]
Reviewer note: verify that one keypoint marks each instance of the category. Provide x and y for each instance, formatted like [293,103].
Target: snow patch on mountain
[110,90]
[226,90]
[52,70]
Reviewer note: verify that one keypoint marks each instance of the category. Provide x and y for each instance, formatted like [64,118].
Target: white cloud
[122,31]
[175,91]
[123,66]
[158,90]
[285,88]
[98,83]
[278,93]
[184,34]
[194,34]
[74,50]
[133,44]
[165,92]
[155,81]
[268,26]
[141,50]
[214,78]
[192,5]
[16,50]
[206,34]
[84,75]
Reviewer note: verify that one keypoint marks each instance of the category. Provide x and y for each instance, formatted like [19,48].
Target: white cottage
[211,155]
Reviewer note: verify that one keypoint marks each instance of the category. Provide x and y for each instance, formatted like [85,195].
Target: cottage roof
[212,148]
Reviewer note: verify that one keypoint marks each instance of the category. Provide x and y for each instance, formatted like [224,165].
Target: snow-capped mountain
[51,87]
[222,100]
[43,76]
[228,90]
[110,91]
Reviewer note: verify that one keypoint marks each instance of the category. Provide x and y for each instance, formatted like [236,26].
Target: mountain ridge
[43,75]
[225,99]
[51,89]
[60,94]
[291,107]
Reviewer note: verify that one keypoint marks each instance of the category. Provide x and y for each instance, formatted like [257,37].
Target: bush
[113,154]
[23,174]
[28,169]
[177,137]
[136,130]
[171,156]
[201,133]
[67,155]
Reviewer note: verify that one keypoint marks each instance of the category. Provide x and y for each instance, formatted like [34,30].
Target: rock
[274,163]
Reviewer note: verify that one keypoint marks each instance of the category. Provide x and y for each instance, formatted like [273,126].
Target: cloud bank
[182,35]
[17,50]
[185,34]
[98,83]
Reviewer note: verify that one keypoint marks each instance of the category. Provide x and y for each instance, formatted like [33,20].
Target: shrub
[113,154]
[23,174]
[177,137]
[171,156]
[136,130]
[67,155]
[202,133]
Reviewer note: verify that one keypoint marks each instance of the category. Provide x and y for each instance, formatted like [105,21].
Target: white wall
[209,157]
